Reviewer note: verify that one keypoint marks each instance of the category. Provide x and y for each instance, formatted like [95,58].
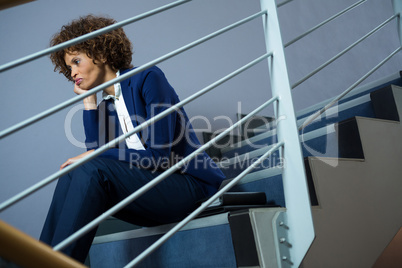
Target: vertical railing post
[298,218]
[398,10]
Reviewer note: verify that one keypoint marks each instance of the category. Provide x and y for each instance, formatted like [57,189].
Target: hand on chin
[78,90]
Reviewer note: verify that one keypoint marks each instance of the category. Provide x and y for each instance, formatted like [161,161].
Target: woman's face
[84,71]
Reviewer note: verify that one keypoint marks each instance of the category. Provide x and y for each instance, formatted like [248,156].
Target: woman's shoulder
[151,80]
[144,73]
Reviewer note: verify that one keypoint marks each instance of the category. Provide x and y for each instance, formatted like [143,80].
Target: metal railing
[299,219]
[398,10]
[116,141]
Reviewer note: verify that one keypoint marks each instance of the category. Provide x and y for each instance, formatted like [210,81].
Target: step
[360,106]
[394,79]
[223,240]
[357,107]
[264,180]
[359,199]
[321,142]
[366,89]
[369,186]
[338,140]
[312,138]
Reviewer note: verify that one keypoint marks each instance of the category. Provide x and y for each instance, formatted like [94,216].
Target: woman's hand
[75,159]
[90,102]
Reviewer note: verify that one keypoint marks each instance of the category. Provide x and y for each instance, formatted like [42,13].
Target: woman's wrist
[90,103]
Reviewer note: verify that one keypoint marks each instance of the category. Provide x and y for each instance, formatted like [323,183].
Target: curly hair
[114,46]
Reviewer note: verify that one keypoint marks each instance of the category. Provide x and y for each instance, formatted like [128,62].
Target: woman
[85,193]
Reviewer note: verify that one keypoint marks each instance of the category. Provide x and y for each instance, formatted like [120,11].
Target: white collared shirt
[132,142]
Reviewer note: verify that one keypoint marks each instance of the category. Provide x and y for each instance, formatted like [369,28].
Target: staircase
[351,157]
[352,161]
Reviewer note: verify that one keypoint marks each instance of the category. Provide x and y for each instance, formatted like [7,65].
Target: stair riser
[197,244]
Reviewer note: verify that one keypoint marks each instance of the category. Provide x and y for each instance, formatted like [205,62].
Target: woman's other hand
[75,159]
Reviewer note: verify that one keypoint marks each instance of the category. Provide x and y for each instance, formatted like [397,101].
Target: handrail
[324,22]
[88,36]
[121,138]
[203,206]
[77,98]
[26,251]
[284,3]
[344,51]
[312,117]
[397,5]
[11,3]
[155,181]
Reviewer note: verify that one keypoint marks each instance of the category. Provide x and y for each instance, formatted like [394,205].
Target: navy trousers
[88,191]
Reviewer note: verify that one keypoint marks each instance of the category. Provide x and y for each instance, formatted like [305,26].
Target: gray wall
[38,151]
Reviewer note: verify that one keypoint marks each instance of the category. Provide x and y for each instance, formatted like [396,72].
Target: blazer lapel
[128,97]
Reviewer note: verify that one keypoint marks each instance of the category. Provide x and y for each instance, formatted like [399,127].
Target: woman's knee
[87,172]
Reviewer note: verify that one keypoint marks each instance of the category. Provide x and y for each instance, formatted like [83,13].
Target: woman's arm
[90,102]
[75,159]
[92,110]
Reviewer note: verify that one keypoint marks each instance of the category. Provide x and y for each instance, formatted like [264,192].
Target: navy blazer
[166,142]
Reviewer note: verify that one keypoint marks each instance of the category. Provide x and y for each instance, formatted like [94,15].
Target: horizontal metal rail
[77,98]
[324,22]
[120,139]
[154,182]
[88,36]
[331,103]
[284,3]
[203,206]
[343,51]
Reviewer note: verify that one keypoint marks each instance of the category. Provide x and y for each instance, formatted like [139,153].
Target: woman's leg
[56,207]
[169,201]
[89,190]
[79,197]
